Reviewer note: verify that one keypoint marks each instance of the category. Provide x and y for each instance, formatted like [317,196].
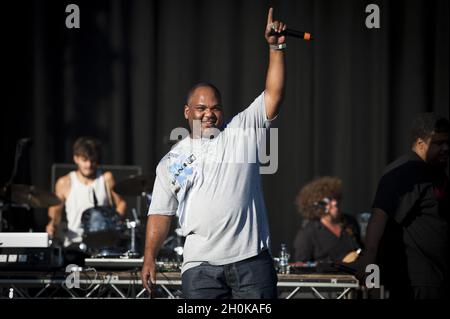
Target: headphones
[322,204]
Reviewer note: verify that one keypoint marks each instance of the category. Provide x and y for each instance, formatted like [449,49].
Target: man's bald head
[201,85]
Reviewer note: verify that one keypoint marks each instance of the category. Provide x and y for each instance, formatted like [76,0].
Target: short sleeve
[303,246]
[164,201]
[254,116]
[253,125]
[386,197]
[397,191]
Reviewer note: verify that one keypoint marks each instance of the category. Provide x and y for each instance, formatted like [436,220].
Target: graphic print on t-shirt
[180,169]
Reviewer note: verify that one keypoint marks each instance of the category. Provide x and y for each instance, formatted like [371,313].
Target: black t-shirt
[315,242]
[414,249]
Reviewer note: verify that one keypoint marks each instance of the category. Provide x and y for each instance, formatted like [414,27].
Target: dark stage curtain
[122,77]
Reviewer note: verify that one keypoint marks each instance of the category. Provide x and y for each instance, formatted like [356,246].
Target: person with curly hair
[327,235]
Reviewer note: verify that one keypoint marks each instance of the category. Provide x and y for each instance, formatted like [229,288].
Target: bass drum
[101,228]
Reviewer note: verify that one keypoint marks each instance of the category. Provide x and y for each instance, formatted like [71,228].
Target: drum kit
[105,234]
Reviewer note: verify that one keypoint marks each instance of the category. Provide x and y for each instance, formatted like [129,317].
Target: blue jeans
[252,278]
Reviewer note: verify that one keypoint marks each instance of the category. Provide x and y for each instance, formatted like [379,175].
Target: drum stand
[132,253]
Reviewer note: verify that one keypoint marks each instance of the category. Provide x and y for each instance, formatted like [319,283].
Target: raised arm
[275,79]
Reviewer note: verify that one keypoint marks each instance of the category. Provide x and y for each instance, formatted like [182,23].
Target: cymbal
[32,196]
[135,185]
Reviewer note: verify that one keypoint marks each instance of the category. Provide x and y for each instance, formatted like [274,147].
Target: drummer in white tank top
[76,191]
[81,197]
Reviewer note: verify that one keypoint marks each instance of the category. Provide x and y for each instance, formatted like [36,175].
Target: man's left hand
[273,30]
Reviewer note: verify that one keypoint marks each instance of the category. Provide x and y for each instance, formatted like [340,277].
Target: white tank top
[81,197]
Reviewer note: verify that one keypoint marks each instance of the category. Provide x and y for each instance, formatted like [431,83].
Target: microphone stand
[7,188]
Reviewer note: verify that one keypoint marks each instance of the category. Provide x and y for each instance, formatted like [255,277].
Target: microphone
[293,33]
[95,198]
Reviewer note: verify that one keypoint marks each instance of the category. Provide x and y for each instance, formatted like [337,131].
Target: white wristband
[278,46]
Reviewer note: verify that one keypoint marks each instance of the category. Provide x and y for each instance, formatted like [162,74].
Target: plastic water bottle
[284,260]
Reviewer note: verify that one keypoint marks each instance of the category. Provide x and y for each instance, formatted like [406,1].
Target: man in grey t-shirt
[211,181]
